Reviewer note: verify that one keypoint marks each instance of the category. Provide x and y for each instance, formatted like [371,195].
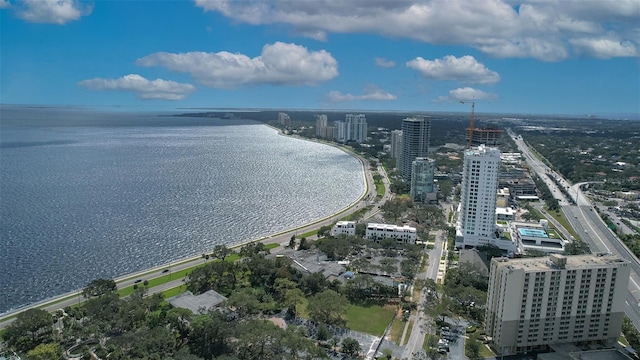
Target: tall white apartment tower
[396,146]
[416,132]
[284,119]
[321,125]
[340,132]
[534,302]
[476,222]
[356,127]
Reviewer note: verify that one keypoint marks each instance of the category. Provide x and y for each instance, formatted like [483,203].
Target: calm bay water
[86,195]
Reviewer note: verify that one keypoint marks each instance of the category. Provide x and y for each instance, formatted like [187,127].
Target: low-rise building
[377,232]
[197,303]
[539,237]
[344,228]
[505,214]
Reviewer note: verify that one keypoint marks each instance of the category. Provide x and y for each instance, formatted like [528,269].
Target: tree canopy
[99,287]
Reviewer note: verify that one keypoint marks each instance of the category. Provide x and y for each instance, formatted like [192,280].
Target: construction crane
[473,107]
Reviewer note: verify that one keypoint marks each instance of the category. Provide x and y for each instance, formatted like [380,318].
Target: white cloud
[464,69]
[371,92]
[382,62]
[604,48]
[52,11]
[278,64]
[143,88]
[4,4]
[539,29]
[466,94]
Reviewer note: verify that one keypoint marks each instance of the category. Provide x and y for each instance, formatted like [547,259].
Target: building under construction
[487,136]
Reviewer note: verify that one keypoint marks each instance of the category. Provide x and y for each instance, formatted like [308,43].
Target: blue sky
[546,57]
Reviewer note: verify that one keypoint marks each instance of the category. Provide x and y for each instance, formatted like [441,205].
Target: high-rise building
[340,131]
[396,146]
[416,132]
[422,184]
[476,222]
[353,128]
[321,125]
[329,132]
[284,119]
[534,302]
[485,136]
[356,127]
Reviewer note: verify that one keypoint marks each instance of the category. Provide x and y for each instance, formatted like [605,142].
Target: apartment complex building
[534,302]
[476,223]
[344,228]
[416,133]
[353,128]
[284,119]
[377,232]
[422,180]
[321,125]
[396,146]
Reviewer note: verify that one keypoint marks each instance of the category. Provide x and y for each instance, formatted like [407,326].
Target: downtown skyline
[552,57]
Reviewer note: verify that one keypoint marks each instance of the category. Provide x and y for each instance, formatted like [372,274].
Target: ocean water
[86,195]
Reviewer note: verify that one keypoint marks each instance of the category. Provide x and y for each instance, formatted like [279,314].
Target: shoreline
[314,224]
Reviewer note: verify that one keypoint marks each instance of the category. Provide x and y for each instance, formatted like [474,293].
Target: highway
[588,225]
[367,198]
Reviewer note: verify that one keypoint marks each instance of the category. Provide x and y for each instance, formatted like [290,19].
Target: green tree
[30,329]
[221,252]
[50,351]
[99,287]
[328,307]
[303,244]
[253,248]
[387,353]
[208,337]
[245,302]
[631,333]
[472,348]
[351,347]
[292,242]
[178,320]
[323,332]
[577,247]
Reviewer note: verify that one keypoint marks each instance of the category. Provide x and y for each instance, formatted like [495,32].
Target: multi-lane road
[588,225]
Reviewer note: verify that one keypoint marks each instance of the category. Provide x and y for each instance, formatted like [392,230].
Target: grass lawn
[409,329]
[559,216]
[301,309]
[485,352]
[308,234]
[371,319]
[175,291]
[379,188]
[161,280]
[622,340]
[356,215]
[396,330]
[268,247]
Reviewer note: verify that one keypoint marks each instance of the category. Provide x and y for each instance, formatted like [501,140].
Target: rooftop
[530,232]
[390,227]
[195,303]
[573,262]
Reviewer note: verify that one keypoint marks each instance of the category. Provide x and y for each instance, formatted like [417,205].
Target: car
[137,281]
[165,271]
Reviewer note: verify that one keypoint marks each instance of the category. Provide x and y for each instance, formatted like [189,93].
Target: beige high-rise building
[534,302]
[321,125]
